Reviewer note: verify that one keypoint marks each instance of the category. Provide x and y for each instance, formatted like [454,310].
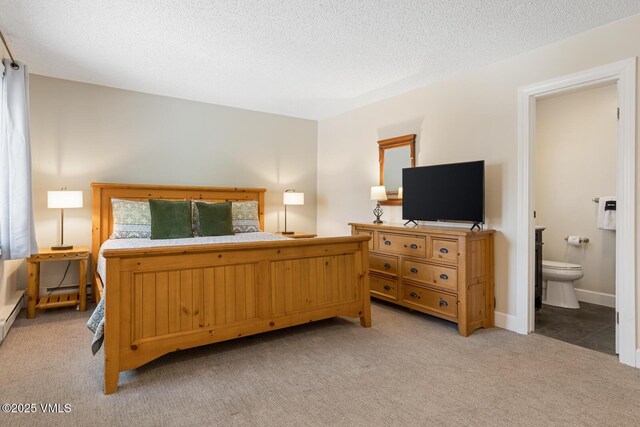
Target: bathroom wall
[576,162]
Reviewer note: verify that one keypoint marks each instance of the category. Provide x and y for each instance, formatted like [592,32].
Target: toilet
[558,278]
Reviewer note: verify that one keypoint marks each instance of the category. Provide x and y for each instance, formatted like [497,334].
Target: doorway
[623,74]
[575,181]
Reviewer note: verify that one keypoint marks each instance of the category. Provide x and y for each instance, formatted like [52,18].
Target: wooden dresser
[445,272]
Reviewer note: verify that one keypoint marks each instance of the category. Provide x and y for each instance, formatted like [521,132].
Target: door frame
[623,73]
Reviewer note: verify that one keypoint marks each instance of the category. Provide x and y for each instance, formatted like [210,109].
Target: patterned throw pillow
[131,220]
[244,215]
[195,219]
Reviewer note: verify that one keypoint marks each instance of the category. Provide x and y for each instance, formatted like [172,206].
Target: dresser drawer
[444,250]
[446,277]
[384,287]
[383,263]
[402,245]
[439,302]
[362,231]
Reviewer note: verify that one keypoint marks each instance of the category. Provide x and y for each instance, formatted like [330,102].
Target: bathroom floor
[591,326]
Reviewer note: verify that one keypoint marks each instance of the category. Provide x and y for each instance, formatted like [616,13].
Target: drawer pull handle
[387,265]
[443,303]
[414,295]
[444,250]
[414,246]
[387,242]
[414,270]
[444,276]
[387,287]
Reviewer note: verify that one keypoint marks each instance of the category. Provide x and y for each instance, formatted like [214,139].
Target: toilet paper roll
[574,240]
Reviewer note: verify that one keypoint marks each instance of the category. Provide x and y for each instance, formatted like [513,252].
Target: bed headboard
[102,219]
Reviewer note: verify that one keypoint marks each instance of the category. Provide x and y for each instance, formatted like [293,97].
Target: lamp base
[378,213]
[288,232]
[61,247]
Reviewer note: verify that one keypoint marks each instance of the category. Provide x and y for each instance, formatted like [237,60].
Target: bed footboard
[161,300]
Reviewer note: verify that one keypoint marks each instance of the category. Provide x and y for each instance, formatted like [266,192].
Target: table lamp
[378,192]
[62,200]
[290,197]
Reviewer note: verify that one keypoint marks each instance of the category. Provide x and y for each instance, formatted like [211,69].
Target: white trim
[505,321]
[624,74]
[525,230]
[593,297]
[11,311]
[626,277]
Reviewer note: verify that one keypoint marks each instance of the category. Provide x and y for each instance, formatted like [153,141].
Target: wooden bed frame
[161,300]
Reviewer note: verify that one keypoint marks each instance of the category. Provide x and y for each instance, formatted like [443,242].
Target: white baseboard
[9,312]
[638,358]
[506,321]
[598,298]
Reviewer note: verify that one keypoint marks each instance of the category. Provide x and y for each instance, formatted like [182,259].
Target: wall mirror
[395,154]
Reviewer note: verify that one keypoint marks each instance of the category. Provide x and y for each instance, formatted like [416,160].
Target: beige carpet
[409,369]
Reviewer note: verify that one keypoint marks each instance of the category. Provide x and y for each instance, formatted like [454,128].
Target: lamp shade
[64,199]
[378,192]
[292,198]
[400,193]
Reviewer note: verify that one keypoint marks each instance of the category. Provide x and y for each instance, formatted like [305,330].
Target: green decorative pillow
[170,219]
[244,215]
[215,219]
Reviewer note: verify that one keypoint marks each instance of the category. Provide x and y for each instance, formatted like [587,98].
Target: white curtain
[17,231]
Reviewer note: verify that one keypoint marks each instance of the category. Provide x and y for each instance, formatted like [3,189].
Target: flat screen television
[449,192]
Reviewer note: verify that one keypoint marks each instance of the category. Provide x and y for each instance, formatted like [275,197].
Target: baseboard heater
[63,289]
[9,313]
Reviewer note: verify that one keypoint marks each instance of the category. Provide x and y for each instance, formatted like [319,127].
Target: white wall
[82,133]
[575,162]
[469,117]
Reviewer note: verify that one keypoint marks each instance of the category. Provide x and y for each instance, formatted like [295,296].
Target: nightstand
[298,235]
[34,301]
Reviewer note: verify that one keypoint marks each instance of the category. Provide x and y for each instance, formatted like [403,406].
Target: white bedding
[148,243]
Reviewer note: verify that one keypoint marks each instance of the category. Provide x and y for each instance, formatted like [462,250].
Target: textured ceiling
[301,58]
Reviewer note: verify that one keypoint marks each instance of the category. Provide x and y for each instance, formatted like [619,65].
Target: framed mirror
[394,155]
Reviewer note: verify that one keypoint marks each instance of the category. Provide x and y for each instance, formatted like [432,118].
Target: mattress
[207,240]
